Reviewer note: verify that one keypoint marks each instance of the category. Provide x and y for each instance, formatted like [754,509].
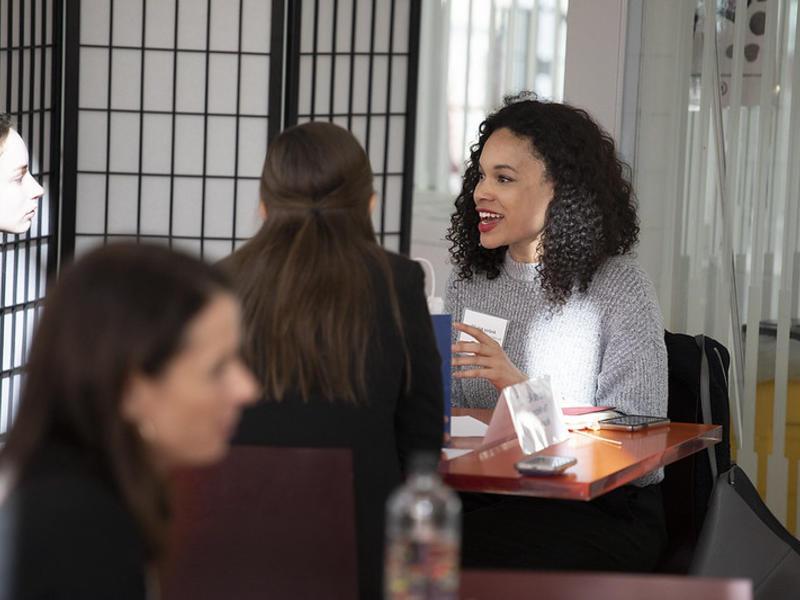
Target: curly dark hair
[593,211]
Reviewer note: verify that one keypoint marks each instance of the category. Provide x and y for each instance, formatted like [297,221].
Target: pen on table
[598,437]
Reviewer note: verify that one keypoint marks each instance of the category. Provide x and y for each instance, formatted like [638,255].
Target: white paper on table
[452,453]
[467,427]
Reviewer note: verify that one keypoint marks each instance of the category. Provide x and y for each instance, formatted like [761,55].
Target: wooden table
[601,466]
[530,585]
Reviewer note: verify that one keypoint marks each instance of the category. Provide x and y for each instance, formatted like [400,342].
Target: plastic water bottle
[423,536]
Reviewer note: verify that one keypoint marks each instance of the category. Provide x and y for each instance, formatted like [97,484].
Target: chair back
[267,522]
[688,483]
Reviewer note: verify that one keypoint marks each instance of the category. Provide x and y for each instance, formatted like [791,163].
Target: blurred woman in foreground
[134,370]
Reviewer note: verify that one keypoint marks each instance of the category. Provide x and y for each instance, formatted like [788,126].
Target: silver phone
[545,465]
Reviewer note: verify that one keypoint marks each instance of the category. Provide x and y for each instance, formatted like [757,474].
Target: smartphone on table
[632,422]
[545,465]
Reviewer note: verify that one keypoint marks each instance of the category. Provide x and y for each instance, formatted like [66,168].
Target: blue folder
[443,327]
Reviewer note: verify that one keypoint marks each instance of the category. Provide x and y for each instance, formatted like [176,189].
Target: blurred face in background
[19,191]
[188,412]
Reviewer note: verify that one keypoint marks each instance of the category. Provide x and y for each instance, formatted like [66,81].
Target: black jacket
[381,432]
[65,533]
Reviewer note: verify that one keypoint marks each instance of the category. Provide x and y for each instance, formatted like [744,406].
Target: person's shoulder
[626,289]
[72,498]
[400,262]
[73,492]
[403,268]
[622,274]
[65,521]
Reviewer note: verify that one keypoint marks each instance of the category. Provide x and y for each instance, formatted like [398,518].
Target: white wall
[613,77]
[595,59]
[660,147]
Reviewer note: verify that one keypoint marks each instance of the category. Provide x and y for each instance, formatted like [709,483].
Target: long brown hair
[305,279]
[120,310]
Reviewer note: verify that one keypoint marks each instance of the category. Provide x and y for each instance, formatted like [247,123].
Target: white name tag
[494,327]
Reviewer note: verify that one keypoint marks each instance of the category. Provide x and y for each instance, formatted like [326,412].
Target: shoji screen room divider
[160,128]
[171,104]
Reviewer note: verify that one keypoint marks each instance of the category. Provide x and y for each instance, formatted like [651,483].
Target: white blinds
[724,208]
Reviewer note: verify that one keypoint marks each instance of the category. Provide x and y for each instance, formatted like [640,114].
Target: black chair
[718,525]
[688,483]
[267,522]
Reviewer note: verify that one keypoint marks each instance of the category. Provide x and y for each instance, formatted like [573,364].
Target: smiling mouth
[488,220]
[489,217]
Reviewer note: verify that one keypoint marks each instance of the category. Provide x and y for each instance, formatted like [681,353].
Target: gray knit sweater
[605,347]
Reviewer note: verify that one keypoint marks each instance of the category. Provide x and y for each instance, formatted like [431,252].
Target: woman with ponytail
[336,328]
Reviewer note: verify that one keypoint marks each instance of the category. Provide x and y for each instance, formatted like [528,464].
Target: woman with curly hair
[541,237]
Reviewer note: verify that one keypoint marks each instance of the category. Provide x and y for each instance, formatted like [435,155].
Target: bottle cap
[423,462]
